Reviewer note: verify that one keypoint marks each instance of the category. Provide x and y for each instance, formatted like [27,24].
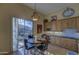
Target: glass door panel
[21,29]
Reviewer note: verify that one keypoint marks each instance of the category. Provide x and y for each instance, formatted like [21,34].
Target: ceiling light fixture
[35,15]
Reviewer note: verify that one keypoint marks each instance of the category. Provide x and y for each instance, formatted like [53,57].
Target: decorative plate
[68,12]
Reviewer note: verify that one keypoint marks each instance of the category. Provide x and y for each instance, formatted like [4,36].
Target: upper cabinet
[47,25]
[72,23]
[59,25]
[53,25]
[64,24]
[77,24]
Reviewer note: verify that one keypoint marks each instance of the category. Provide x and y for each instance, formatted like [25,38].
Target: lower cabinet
[67,43]
[70,44]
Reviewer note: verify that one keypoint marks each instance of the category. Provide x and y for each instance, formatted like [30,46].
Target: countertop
[66,35]
[61,34]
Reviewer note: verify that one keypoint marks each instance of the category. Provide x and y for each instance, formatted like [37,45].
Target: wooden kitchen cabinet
[53,25]
[70,44]
[59,25]
[64,24]
[53,40]
[72,23]
[67,43]
[69,23]
[45,24]
[77,24]
[57,41]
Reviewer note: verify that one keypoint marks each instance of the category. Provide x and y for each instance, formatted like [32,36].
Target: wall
[59,13]
[7,11]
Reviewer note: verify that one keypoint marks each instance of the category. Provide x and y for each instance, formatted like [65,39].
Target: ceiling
[47,8]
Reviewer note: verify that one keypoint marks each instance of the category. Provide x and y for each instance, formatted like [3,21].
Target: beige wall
[7,11]
[59,13]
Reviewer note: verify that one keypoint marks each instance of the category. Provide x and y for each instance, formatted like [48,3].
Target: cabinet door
[58,41]
[45,24]
[72,23]
[53,40]
[69,23]
[64,24]
[70,44]
[53,23]
[58,25]
[77,22]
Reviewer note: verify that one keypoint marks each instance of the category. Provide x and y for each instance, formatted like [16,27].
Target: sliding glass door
[21,29]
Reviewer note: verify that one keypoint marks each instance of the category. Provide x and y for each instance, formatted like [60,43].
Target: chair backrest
[28,44]
[30,36]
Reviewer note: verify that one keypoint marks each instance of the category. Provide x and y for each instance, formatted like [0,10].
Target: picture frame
[39,28]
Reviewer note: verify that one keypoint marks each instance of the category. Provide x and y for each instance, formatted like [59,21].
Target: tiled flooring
[30,52]
[52,50]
